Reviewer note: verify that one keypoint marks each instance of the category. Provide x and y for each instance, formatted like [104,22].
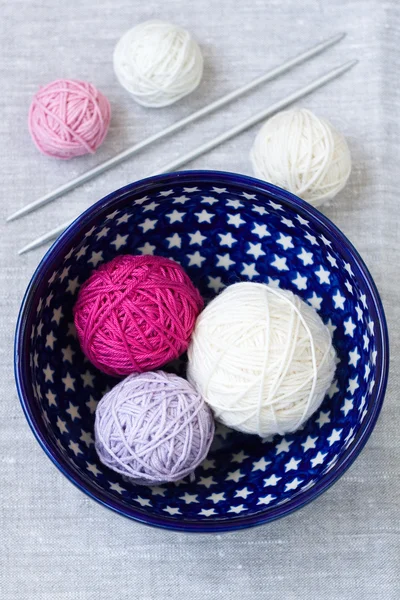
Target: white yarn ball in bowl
[262,358]
[158,63]
[303,154]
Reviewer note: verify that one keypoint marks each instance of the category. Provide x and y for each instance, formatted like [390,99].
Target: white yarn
[262,358]
[303,154]
[158,63]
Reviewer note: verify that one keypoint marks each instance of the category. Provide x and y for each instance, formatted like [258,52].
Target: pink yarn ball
[68,118]
[136,313]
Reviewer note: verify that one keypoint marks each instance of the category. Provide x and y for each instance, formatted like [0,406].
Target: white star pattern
[119,241]
[150,206]
[249,270]
[209,200]
[366,341]
[142,501]
[215,284]
[292,465]
[339,300]
[73,285]
[69,382]
[234,476]
[217,497]
[243,493]
[306,257]
[148,225]
[280,263]
[266,499]
[195,259]
[315,301]
[224,261]
[73,411]
[323,418]
[349,327]
[207,481]
[197,238]
[227,239]
[234,203]
[309,444]
[353,385]
[207,512]
[259,209]
[239,457]
[318,459]
[95,258]
[91,404]
[50,339]
[332,260]
[175,217]
[261,464]
[48,373]
[285,241]
[271,481]
[367,372]
[311,238]
[237,509]
[189,498]
[181,199]
[175,241]
[260,230]
[204,216]
[115,487]
[86,438]
[147,249]
[323,275]
[354,357]
[255,250]
[287,222]
[235,220]
[300,282]
[87,379]
[283,446]
[347,406]
[335,436]
[172,511]
[293,485]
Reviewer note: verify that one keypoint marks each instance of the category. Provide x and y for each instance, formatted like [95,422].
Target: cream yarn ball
[158,63]
[303,154]
[262,358]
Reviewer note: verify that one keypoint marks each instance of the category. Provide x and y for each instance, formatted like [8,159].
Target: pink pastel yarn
[136,313]
[68,118]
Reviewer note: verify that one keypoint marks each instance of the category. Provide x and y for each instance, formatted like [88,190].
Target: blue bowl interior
[221,229]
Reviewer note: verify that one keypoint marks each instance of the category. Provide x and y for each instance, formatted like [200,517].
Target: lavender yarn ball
[153,428]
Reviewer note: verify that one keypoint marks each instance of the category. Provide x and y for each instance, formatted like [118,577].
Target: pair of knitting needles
[207,146]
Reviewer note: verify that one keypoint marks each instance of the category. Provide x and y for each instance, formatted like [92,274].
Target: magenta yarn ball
[153,427]
[68,118]
[136,313]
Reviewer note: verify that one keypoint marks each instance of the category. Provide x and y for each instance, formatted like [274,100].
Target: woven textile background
[56,543]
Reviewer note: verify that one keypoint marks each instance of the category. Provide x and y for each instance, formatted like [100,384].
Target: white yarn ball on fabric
[262,358]
[158,63]
[303,154]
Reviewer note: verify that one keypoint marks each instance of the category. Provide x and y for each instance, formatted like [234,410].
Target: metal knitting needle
[220,139]
[125,154]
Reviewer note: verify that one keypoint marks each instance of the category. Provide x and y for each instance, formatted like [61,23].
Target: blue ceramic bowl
[222,228]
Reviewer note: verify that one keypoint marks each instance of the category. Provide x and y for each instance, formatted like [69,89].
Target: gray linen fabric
[56,543]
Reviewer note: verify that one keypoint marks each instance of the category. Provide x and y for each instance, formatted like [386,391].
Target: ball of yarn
[303,154]
[153,427]
[69,118]
[136,313]
[158,63]
[262,358]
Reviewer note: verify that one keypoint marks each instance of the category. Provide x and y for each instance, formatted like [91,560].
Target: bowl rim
[55,253]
